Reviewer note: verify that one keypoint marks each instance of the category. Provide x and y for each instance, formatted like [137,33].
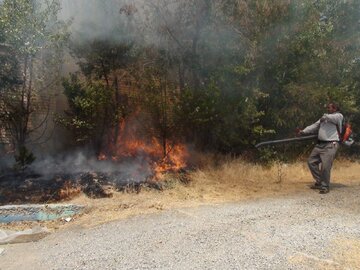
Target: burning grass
[131,140]
[133,165]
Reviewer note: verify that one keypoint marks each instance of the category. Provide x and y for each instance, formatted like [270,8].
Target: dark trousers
[321,160]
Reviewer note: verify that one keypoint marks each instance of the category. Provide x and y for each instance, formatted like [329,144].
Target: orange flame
[169,158]
[102,156]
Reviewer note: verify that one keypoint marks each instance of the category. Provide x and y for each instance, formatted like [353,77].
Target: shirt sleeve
[335,118]
[312,129]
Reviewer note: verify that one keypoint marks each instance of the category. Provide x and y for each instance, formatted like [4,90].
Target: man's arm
[312,129]
[335,118]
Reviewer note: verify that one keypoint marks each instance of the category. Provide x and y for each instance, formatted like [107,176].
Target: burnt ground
[31,187]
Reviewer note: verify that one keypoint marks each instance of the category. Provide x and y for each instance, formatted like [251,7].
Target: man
[328,128]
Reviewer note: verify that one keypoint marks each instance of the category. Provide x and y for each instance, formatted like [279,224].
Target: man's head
[332,107]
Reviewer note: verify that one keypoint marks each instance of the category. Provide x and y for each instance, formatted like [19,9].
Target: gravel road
[305,231]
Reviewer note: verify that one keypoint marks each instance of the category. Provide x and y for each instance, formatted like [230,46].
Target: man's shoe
[324,190]
[315,186]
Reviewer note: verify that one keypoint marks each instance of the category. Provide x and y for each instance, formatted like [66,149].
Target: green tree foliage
[34,38]
[9,71]
[158,101]
[88,111]
[99,59]
[299,54]
[97,103]
[262,67]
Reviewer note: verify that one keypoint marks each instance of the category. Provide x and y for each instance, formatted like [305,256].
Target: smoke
[6,160]
[115,20]
[136,169]
[143,22]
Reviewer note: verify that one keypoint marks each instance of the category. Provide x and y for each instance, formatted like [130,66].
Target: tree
[158,100]
[36,38]
[101,62]
[88,111]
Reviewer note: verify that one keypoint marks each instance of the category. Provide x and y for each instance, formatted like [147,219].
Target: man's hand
[299,132]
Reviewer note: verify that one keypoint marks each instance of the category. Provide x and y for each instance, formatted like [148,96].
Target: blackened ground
[31,187]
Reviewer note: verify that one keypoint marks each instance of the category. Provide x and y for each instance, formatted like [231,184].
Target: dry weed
[237,178]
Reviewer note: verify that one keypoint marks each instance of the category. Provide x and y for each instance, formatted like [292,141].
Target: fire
[102,157]
[161,157]
[175,160]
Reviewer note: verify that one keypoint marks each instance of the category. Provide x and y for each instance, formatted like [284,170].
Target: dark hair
[337,108]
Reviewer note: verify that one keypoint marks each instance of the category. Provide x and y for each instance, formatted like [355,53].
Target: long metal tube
[296,139]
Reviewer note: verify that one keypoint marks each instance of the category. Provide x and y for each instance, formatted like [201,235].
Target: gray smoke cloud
[118,20]
[91,18]
[143,22]
[136,169]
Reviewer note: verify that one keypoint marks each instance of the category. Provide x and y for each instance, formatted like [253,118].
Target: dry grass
[238,179]
[240,174]
[217,182]
[231,180]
